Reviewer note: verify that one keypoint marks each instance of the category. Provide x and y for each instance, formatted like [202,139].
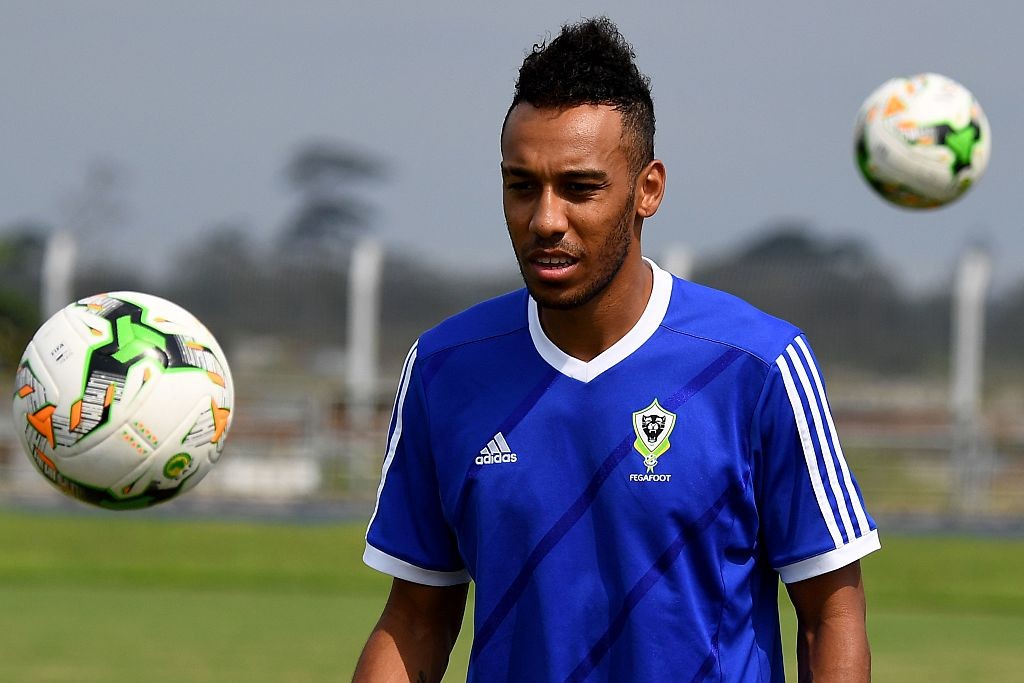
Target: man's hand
[832,641]
[414,636]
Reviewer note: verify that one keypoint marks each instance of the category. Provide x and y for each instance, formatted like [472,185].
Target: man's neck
[588,330]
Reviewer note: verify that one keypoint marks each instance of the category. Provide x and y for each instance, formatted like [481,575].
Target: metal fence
[295,449]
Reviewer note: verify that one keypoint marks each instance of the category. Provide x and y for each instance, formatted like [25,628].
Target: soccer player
[623,462]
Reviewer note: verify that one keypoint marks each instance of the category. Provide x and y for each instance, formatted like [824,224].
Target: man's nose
[549,218]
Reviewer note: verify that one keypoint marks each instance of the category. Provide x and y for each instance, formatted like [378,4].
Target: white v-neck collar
[584,371]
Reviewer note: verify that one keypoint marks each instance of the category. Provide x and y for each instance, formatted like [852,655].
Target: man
[623,462]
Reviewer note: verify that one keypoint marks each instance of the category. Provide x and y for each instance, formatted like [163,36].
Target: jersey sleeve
[812,512]
[408,536]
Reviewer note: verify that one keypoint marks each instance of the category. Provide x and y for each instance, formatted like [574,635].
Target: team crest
[652,425]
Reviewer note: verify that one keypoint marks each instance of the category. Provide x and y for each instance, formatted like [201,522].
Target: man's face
[569,199]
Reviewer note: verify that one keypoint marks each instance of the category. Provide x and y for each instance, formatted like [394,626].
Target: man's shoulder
[489,319]
[708,313]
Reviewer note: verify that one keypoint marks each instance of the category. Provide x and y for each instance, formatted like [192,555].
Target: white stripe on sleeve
[823,443]
[858,507]
[810,457]
[396,435]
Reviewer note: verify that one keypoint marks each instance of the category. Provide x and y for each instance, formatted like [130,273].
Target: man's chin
[559,300]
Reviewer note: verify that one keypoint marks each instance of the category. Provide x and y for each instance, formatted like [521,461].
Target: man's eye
[519,186]
[582,188]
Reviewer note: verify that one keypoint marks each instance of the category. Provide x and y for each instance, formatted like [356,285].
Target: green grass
[117,597]
[132,597]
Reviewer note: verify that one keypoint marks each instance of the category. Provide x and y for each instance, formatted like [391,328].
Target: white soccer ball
[123,400]
[921,141]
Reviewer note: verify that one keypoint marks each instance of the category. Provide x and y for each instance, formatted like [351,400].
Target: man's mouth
[553,262]
[552,268]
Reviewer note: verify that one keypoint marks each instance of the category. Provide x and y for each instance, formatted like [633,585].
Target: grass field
[117,597]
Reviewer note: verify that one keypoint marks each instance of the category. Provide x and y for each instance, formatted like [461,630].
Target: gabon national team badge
[652,425]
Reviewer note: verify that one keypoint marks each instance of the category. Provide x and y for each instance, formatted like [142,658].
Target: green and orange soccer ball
[123,400]
[921,141]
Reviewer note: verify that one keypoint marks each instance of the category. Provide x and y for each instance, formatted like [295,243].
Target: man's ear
[650,188]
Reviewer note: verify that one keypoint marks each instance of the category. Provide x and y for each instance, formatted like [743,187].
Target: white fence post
[58,271]
[971,457]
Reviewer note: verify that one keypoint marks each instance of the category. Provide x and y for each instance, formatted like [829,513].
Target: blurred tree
[330,215]
[238,289]
[93,214]
[106,276]
[224,281]
[97,208]
[852,310]
[21,256]
[416,296]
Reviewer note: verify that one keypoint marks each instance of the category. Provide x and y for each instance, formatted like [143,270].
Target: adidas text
[495,459]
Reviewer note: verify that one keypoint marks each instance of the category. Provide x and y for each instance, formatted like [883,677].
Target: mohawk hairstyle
[591,63]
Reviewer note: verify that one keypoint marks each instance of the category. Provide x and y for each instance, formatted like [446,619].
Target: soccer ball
[123,400]
[921,141]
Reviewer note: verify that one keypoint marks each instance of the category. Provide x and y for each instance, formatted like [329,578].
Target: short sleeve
[408,536]
[812,512]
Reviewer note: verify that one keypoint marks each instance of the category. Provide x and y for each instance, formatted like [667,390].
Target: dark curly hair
[591,63]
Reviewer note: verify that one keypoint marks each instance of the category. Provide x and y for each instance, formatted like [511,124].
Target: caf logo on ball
[123,400]
[921,141]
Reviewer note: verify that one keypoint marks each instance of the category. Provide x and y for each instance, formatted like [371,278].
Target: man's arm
[832,641]
[414,635]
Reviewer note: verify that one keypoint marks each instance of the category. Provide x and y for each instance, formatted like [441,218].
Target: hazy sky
[202,104]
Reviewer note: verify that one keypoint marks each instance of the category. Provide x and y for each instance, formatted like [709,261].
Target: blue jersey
[626,518]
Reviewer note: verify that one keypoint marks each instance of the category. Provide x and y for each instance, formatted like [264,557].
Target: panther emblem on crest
[652,425]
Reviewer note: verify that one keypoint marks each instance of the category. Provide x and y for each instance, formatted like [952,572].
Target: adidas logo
[496,451]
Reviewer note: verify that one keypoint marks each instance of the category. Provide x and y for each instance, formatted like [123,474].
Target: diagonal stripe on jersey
[705,669]
[646,582]
[576,511]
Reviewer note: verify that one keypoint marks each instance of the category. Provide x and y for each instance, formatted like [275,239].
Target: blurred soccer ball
[921,141]
[123,400]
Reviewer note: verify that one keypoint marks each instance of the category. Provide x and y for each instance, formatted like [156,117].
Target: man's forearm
[832,638]
[414,636]
[833,650]
[400,657]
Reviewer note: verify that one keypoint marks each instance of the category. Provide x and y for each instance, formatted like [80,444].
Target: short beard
[615,247]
